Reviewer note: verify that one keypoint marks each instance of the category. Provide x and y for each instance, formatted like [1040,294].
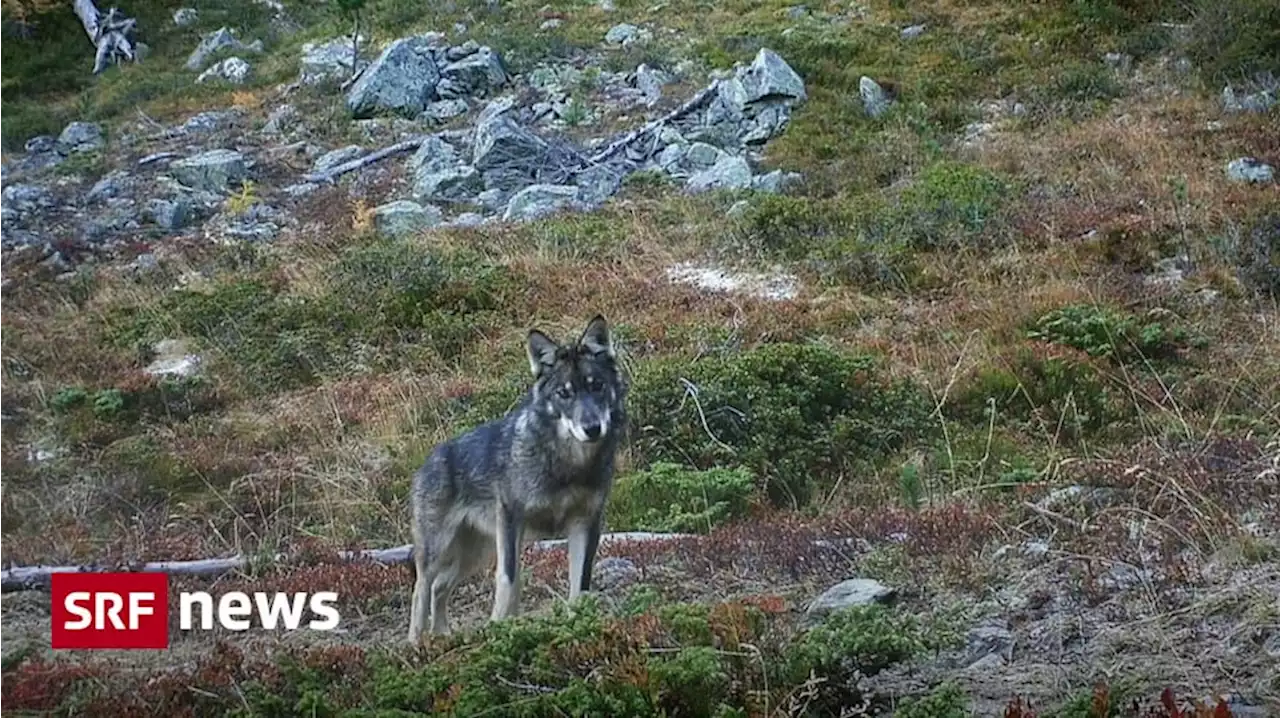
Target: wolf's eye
[564,392]
[593,383]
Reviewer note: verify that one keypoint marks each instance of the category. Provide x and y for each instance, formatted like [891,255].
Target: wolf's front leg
[584,538]
[510,538]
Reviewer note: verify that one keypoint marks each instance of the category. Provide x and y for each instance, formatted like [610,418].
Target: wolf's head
[577,384]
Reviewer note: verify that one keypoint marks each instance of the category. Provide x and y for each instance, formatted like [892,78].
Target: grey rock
[300,189]
[701,156]
[157,157]
[1258,102]
[119,216]
[112,185]
[232,69]
[493,200]
[551,24]
[25,198]
[333,158]
[769,75]
[40,144]
[174,357]
[597,184]
[330,61]
[539,201]
[912,32]
[507,180]
[208,121]
[221,39]
[402,80]
[466,219]
[1249,169]
[650,81]
[615,572]
[213,170]
[260,223]
[81,137]
[403,217]
[185,16]
[989,637]
[458,183]
[445,110]
[170,215]
[853,592]
[729,172]
[626,34]
[433,155]
[457,52]
[671,158]
[775,181]
[874,99]
[500,142]
[479,73]
[281,120]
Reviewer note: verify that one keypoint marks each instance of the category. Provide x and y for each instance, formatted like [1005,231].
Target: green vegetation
[670,497]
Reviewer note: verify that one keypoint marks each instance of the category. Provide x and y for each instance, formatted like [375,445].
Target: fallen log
[110,35]
[626,140]
[26,578]
[333,173]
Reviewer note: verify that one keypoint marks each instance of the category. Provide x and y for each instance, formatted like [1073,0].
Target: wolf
[544,469]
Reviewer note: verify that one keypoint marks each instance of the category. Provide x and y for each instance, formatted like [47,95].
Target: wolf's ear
[595,338]
[542,352]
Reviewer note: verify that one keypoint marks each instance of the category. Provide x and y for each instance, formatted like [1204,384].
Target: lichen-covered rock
[334,60]
[402,80]
[729,172]
[81,137]
[404,217]
[540,200]
[212,171]
[769,76]
[233,70]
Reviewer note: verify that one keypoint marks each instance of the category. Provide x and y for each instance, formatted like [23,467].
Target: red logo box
[110,610]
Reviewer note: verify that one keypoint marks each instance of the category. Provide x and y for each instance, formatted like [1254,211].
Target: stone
[874,99]
[729,172]
[233,70]
[478,73]
[213,170]
[402,80]
[41,144]
[174,357]
[615,572]
[185,16]
[701,156]
[775,181]
[500,142]
[649,82]
[170,215]
[333,158]
[597,184]
[221,39]
[911,32]
[404,217]
[493,200]
[539,201]
[330,61]
[1249,169]
[769,76]
[280,120]
[853,592]
[25,198]
[81,137]
[1257,102]
[207,121]
[112,185]
[1118,61]
[445,110]
[458,183]
[300,189]
[466,219]
[551,24]
[626,34]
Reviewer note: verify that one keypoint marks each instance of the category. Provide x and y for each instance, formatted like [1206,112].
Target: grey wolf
[545,469]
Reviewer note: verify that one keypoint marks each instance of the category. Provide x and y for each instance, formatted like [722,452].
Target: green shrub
[670,497]
[797,415]
[1102,332]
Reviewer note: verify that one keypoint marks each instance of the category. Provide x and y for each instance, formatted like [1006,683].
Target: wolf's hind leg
[422,591]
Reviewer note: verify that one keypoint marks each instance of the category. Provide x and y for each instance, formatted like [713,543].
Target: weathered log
[110,35]
[24,578]
[626,140]
[333,173]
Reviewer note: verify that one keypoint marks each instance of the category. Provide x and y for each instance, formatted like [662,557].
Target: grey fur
[544,469]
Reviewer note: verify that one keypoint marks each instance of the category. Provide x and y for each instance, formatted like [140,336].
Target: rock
[26,198]
[1249,169]
[551,24]
[402,80]
[280,120]
[300,189]
[626,34]
[112,185]
[208,121]
[403,217]
[477,74]
[989,638]
[445,110]
[41,144]
[874,99]
[259,223]
[333,158]
[221,39]
[170,215]
[615,572]
[185,16]
[650,81]
[466,219]
[775,181]
[913,31]
[433,155]
[458,183]
[729,172]
[853,592]
[174,357]
[501,143]
[213,170]
[701,156]
[769,76]
[1257,102]
[81,137]
[232,69]
[493,200]
[333,60]
[539,200]
[597,184]
[156,157]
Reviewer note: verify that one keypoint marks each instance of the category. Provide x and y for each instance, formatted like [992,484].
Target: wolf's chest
[550,514]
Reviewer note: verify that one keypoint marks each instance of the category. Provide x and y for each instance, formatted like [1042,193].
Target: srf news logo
[131,610]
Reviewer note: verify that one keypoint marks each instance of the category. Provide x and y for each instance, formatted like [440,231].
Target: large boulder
[540,200]
[212,171]
[402,80]
[770,76]
[402,217]
[80,137]
[476,74]
[328,61]
[729,172]
[501,143]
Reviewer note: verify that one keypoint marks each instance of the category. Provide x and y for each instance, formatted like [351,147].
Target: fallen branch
[333,173]
[619,145]
[25,578]
[109,35]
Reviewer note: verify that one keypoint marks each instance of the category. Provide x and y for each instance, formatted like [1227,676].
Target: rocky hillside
[951,330]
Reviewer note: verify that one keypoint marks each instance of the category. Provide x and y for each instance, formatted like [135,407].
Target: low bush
[670,497]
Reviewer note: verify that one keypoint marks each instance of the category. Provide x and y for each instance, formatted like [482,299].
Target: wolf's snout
[593,431]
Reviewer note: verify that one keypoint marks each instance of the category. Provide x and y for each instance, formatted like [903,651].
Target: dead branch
[626,140]
[25,578]
[331,174]
[110,35]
